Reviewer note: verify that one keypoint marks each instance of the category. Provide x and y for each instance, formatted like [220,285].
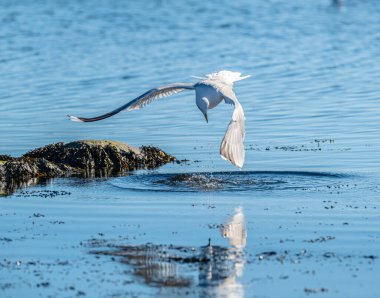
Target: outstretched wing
[232,146]
[141,101]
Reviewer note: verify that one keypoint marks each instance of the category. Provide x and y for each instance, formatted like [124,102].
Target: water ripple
[231,181]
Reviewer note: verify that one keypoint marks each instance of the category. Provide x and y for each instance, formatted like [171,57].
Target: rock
[90,157]
[4,158]
[26,168]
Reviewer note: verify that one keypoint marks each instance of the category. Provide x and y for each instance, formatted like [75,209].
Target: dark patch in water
[320,239]
[43,193]
[316,145]
[315,291]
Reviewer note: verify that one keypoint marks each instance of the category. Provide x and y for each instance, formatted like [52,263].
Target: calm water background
[312,104]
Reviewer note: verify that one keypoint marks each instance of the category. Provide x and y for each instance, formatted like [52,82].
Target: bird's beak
[206,117]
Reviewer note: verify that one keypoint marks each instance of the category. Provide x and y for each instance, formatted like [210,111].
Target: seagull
[209,92]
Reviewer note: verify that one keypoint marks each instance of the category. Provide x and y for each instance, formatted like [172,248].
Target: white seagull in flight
[209,92]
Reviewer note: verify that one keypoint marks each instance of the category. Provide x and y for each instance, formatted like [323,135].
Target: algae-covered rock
[80,157]
[96,155]
[5,158]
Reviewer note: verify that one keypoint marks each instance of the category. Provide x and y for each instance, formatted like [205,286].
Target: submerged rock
[88,157]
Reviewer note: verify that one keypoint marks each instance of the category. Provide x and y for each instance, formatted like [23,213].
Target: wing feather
[232,146]
[141,101]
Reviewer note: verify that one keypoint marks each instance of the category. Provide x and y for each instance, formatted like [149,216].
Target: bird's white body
[205,92]
[209,92]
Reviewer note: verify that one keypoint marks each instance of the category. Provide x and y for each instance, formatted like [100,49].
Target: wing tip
[74,119]
[236,164]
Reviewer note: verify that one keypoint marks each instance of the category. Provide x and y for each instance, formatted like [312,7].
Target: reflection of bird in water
[209,92]
[167,266]
[226,263]
[235,229]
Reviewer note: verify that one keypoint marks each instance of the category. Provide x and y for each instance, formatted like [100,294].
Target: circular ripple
[228,181]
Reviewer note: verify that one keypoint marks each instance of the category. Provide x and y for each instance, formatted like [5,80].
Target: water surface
[301,218]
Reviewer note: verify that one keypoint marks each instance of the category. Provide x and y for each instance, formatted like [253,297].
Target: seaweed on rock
[89,157]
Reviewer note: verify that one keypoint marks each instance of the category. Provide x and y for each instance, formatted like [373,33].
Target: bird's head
[203,106]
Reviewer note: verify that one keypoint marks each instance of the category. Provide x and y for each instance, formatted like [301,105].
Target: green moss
[2,162]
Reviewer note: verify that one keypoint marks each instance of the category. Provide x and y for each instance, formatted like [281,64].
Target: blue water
[312,159]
